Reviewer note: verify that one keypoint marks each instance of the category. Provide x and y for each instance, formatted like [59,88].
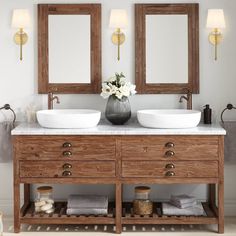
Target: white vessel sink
[164,118]
[68,118]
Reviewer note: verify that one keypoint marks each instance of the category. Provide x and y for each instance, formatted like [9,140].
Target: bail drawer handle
[67,153]
[169,145]
[170,173]
[169,153]
[66,145]
[66,173]
[170,166]
[67,166]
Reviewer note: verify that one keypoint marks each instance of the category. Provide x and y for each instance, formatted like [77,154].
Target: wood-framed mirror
[167,48]
[69,48]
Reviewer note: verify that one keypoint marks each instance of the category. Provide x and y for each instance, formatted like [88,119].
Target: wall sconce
[118,20]
[215,21]
[20,20]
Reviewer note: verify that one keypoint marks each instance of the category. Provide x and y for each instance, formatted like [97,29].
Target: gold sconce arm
[215,38]
[118,38]
[21,38]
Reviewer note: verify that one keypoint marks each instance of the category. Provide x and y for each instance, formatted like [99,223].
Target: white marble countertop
[105,128]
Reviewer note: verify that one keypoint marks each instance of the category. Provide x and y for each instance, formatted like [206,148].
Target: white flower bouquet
[118,87]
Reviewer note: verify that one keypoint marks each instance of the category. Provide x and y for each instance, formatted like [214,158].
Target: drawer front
[170,147]
[164,169]
[65,148]
[60,169]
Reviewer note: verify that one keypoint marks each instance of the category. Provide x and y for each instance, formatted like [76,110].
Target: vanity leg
[118,207]
[26,193]
[221,186]
[221,208]
[16,206]
[212,195]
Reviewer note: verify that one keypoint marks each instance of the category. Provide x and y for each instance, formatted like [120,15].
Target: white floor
[165,230]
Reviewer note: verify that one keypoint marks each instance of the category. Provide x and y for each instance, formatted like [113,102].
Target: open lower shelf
[128,216]
[59,216]
[29,216]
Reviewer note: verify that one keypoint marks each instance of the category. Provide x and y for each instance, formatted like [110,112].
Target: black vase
[118,111]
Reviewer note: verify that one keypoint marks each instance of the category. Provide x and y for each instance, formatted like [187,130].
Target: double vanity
[119,155]
[68,147]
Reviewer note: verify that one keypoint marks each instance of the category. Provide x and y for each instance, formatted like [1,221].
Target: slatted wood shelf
[29,216]
[128,216]
[59,216]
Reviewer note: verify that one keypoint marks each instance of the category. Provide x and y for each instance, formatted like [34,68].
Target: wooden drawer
[179,169]
[65,148]
[54,169]
[169,147]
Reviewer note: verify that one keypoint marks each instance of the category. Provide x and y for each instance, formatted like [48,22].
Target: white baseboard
[230,208]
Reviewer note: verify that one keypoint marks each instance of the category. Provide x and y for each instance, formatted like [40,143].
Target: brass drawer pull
[170,173]
[67,145]
[169,153]
[67,166]
[169,145]
[67,153]
[170,166]
[66,173]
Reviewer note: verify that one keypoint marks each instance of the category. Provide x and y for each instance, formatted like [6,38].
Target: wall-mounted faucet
[188,98]
[51,98]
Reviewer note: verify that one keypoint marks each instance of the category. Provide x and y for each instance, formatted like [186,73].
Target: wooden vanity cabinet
[118,160]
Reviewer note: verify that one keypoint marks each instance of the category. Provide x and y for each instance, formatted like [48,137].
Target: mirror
[69,48]
[166,48]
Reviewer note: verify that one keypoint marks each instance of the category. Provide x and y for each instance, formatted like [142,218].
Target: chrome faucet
[51,98]
[188,98]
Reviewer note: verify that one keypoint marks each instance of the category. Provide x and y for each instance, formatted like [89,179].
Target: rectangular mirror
[166,48]
[69,48]
[67,44]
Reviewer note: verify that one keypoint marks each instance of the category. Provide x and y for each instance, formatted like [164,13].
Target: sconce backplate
[20,36]
[115,36]
[215,39]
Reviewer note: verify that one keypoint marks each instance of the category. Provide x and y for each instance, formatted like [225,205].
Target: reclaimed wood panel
[154,147]
[51,147]
[182,169]
[55,169]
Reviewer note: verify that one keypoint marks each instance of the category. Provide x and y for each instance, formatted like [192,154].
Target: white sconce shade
[118,18]
[20,18]
[215,19]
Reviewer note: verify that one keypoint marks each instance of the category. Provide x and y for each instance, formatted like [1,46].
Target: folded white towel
[183,205]
[87,201]
[182,199]
[169,209]
[86,211]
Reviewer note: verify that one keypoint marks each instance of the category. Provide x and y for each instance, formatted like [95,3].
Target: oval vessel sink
[165,118]
[68,118]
